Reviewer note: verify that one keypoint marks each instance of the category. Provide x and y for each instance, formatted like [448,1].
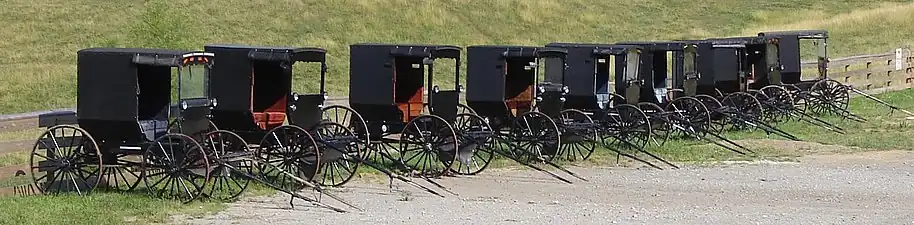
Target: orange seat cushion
[269,120]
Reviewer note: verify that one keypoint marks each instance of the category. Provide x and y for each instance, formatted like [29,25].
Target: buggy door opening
[605,73]
[520,75]
[630,75]
[690,74]
[269,90]
[409,78]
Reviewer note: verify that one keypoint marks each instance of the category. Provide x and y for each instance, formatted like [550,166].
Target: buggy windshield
[194,80]
[632,64]
[689,63]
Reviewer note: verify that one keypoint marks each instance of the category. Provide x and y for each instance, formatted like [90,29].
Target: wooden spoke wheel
[232,161]
[631,125]
[428,146]
[578,135]
[534,137]
[690,114]
[476,141]
[660,127]
[828,97]
[718,119]
[175,166]
[340,151]
[288,152]
[780,103]
[798,95]
[742,109]
[350,119]
[65,159]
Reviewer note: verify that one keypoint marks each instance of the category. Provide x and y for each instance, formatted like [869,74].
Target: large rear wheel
[428,146]
[65,159]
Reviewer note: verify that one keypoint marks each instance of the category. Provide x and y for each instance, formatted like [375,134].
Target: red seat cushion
[269,120]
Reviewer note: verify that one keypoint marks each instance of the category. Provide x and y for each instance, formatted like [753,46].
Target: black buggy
[672,86]
[591,69]
[504,87]
[254,86]
[817,94]
[390,85]
[127,130]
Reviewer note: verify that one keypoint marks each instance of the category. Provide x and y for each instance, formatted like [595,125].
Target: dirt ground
[824,188]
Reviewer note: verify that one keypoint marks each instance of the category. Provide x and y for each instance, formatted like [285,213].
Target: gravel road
[859,188]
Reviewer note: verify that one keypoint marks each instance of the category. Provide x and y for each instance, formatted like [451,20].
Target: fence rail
[871,73]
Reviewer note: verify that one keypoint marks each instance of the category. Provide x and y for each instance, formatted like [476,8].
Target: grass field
[38,64]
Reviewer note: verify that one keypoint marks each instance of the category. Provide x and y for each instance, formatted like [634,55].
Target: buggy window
[194,81]
[632,65]
[555,69]
[689,63]
[771,54]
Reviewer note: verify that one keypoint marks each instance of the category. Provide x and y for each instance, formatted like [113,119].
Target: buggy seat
[271,117]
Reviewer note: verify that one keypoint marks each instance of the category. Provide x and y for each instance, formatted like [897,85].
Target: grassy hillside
[40,37]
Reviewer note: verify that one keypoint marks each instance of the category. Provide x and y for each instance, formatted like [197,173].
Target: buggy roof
[154,57]
[603,49]
[738,42]
[676,45]
[274,53]
[523,51]
[414,50]
[799,33]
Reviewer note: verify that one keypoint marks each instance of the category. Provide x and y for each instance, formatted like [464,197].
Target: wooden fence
[874,73]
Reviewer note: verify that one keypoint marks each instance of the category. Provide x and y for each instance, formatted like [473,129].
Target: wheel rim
[830,97]
[175,167]
[743,109]
[660,129]
[632,124]
[288,150]
[692,113]
[232,162]
[579,136]
[68,159]
[475,136]
[535,137]
[339,151]
[718,119]
[781,101]
[428,146]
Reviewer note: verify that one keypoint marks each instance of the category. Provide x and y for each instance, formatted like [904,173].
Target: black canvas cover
[371,68]
[486,70]
[111,82]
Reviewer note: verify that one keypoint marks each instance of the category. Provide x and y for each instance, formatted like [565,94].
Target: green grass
[42,36]
[99,208]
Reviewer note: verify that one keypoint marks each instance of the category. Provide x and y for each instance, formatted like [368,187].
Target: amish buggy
[413,123]
[591,68]
[132,127]
[817,94]
[506,89]
[673,89]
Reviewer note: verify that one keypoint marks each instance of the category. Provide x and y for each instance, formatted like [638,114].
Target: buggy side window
[555,68]
[194,81]
[690,64]
[632,65]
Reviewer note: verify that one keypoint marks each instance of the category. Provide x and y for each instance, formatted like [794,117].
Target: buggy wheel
[231,160]
[65,159]
[286,151]
[691,114]
[742,109]
[428,145]
[350,119]
[176,127]
[340,152]
[534,136]
[828,97]
[630,124]
[719,93]
[718,119]
[579,135]
[780,102]
[175,166]
[799,97]
[476,140]
[660,128]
